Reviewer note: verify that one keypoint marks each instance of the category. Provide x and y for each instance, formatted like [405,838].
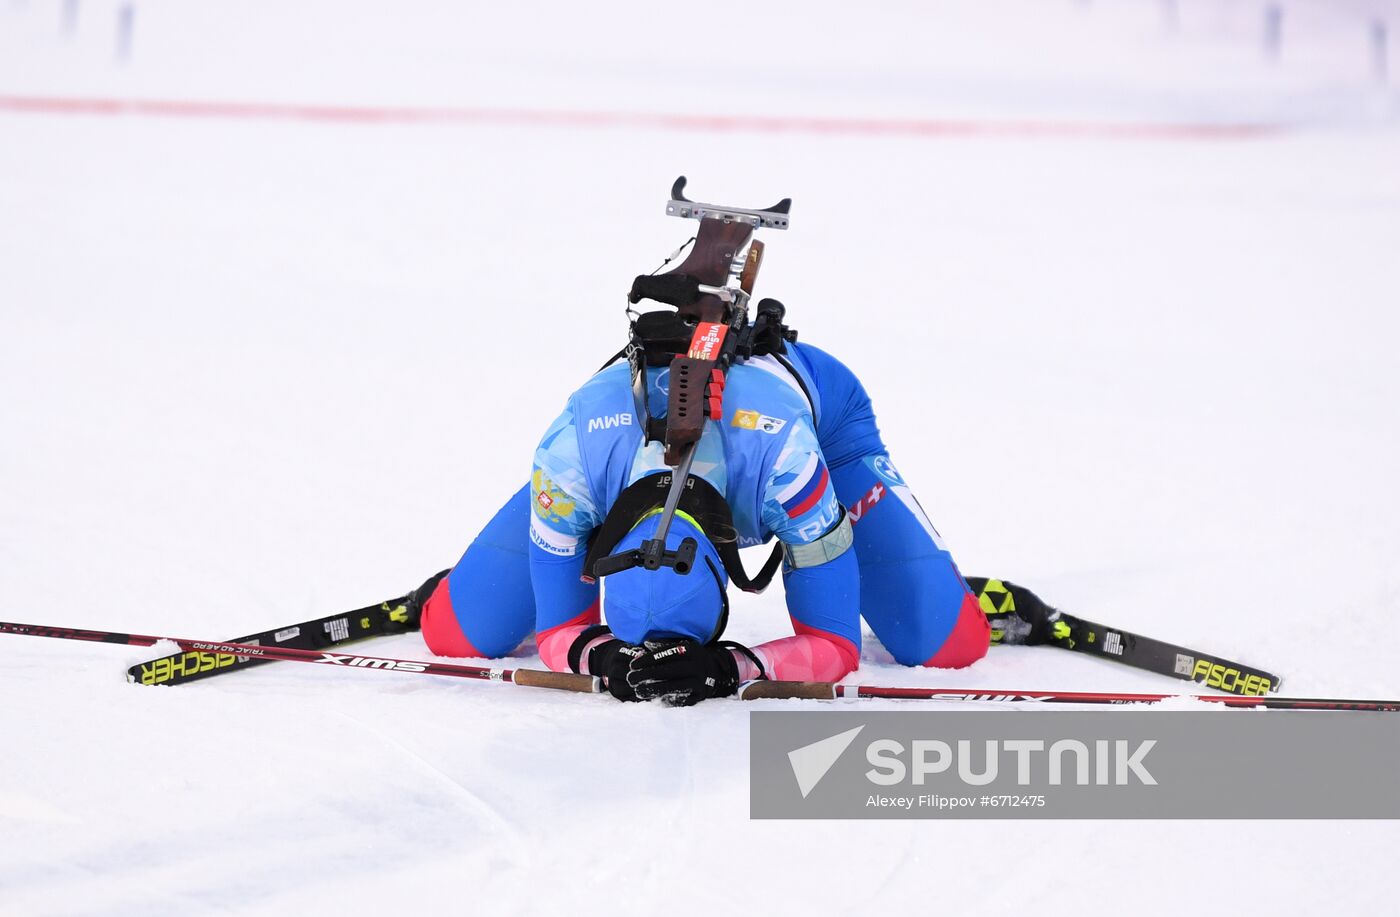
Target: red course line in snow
[888,127]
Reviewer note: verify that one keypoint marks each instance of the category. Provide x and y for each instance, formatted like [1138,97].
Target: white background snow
[257,370]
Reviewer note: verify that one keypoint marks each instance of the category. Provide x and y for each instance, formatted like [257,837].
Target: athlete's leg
[911,593]
[486,606]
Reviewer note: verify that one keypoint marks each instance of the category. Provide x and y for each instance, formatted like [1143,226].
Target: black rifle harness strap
[702,503]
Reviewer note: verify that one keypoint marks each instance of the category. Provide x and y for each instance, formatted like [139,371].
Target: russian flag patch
[807,489]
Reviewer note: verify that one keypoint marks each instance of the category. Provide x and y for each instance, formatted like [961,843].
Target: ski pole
[825,690]
[532,678]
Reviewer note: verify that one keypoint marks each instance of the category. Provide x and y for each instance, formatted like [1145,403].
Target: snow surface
[248,366]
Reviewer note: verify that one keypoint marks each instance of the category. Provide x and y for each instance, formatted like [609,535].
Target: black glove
[685,672]
[610,659]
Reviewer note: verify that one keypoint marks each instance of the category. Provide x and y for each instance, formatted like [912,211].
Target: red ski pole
[824,690]
[754,690]
[533,678]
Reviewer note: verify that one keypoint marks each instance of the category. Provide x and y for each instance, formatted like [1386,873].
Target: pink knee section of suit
[811,655]
[554,643]
[441,631]
[969,640]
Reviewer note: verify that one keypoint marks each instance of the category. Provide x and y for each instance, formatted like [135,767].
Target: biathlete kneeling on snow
[716,434]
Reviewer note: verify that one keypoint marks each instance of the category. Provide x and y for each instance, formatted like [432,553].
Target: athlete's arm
[823,590]
[563,513]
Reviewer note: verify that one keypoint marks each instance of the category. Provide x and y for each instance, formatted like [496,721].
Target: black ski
[1041,624]
[389,617]
[1163,658]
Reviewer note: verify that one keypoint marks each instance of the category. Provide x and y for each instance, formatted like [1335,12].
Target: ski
[1041,624]
[1081,636]
[389,617]
[530,678]
[822,690]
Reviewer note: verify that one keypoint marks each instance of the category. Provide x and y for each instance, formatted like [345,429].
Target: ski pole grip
[807,690]
[561,681]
